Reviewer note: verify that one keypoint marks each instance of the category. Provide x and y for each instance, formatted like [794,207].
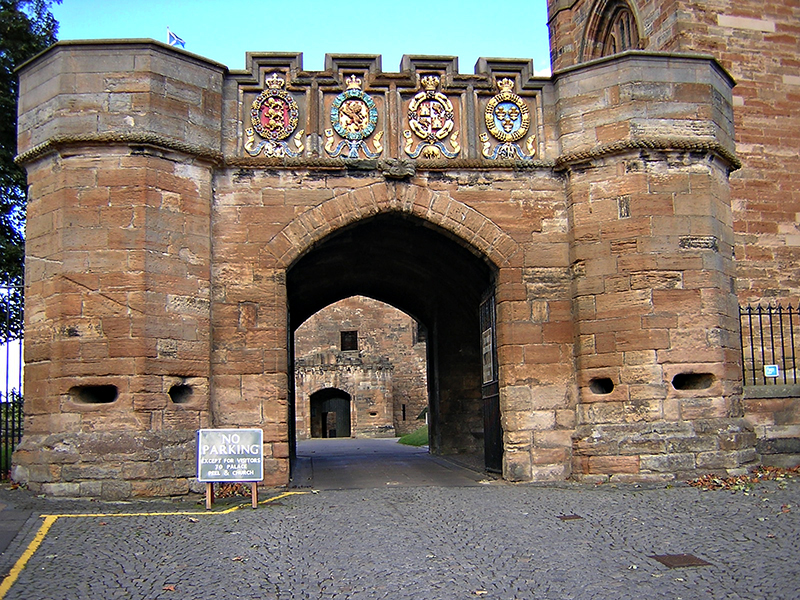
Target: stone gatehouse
[566,242]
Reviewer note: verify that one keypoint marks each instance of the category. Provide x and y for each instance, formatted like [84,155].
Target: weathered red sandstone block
[641,366]
[178,418]
[675,301]
[161,487]
[606,343]
[547,456]
[601,412]
[517,465]
[704,408]
[514,311]
[553,439]
[611,464]
[649,391]
[644,339]
[511,355]
[690,355]
[524,333]
[622,304]
[613,324]
[639,227]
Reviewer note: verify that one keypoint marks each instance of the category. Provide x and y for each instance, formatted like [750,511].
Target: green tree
[26,28]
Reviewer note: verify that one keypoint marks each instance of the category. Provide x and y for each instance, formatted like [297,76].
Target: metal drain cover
[676,561]
[570,517]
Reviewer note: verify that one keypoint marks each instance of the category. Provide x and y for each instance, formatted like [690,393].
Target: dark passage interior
[330,413]
[425,272]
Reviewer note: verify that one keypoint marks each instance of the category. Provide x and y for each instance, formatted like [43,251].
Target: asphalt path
[347,463]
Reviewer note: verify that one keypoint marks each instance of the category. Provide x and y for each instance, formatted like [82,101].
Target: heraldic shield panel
[427,111]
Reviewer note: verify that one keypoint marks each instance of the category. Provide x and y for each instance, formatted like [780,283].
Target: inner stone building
[360,366]
[574,247]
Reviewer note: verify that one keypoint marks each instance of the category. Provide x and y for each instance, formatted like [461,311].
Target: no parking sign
[230,455]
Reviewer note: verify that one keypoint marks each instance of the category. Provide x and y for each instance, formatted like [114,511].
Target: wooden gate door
[490,390]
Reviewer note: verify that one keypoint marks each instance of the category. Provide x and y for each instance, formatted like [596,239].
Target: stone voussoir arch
[436,207]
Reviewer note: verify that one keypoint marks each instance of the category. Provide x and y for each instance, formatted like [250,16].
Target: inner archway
[330,413]
[371,351]
[427,273]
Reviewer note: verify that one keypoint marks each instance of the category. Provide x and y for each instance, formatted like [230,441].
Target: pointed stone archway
[409,264]
[423,253]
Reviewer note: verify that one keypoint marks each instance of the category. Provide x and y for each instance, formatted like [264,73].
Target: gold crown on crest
[505,84]
[274,82]
[353,83]
[430,82]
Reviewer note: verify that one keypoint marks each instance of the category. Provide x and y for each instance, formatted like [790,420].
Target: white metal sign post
[230,455]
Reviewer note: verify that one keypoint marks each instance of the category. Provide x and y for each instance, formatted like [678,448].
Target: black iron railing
[770,337]
[10,374]
[10,429]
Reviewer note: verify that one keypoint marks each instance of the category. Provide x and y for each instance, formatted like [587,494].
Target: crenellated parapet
[426,111]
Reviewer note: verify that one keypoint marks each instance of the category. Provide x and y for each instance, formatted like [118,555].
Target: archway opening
[330,413]
[371,351]
[427,273]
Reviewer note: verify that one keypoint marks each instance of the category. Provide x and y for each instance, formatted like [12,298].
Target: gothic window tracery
[611,29]
[621,33]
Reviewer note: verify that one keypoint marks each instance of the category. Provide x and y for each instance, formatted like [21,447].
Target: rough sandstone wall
[758,44]
[651,256]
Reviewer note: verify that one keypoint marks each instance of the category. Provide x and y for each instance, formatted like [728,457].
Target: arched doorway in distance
[330,413]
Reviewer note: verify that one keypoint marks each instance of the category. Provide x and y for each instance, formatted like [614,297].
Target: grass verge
[416,438]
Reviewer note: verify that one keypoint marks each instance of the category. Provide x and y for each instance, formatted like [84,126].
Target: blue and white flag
[174,40]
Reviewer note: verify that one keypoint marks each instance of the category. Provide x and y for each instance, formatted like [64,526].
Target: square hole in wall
[349,341]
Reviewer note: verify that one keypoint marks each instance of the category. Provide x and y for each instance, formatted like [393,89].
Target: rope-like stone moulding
[217,157]
[115,137]
[376,164]
[687,144]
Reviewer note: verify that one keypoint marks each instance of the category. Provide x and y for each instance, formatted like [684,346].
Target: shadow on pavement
[346,463]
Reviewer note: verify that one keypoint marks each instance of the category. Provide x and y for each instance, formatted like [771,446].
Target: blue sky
[225,31]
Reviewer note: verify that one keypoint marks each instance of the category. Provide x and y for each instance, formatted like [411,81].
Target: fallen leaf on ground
[744,483]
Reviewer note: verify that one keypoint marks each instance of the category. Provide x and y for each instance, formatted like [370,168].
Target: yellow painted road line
[23,560]
[49,520]
[177,512]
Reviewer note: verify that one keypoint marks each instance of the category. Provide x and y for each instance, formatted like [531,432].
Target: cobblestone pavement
[495,541]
